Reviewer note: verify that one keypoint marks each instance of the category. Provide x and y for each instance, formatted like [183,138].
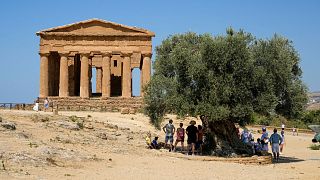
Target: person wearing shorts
[275,141]
[192,132]
[180,137]
[169,129]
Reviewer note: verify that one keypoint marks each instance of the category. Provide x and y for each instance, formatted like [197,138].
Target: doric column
[84,76]
[64,75]
[106,74]
[146,70]
[71,82]
[44,75]
[98,80]
[126,75]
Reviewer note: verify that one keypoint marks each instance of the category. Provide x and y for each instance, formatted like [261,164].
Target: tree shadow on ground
[285,159]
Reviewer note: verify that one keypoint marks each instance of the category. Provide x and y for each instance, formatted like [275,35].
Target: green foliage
[311,117]
[315,147]
[227,77]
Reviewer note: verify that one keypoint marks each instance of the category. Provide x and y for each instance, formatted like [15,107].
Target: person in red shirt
[180,137]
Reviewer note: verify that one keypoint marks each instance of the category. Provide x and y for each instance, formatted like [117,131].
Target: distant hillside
[314,100]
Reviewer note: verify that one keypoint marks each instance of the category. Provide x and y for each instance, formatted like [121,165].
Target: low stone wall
[113,104]
[254,160]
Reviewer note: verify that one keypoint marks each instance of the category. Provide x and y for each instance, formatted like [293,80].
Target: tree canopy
[226,77]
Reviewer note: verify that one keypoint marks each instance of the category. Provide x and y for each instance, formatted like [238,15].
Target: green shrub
[315,147]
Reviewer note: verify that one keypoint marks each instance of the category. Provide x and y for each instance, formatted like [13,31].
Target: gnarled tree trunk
[221,139]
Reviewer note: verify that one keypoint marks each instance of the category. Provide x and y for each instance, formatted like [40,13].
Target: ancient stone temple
[69,54]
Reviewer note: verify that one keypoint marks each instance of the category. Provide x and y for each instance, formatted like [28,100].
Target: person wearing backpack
[180,137]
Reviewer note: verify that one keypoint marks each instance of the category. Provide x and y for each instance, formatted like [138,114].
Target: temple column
[84,76]
[98,80]
[126,76]
[71,67]
[146,70]
[106,75]
[44,75]
[64,76]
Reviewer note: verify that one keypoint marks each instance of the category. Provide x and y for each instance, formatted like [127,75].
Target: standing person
[46,104]
[282,126]
[169,129]
[294,131]
[180,137]
[192,133]
[200,139]
[264,140]
[275,141]
[282,143]
[36,104]
[245,136]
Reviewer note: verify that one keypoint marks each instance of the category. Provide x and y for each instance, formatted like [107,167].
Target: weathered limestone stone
[106,75]
[44,74]
[146,70]
[8,125]
[132,111]
[99,80]
[84,82]
[126,84]
[64,77]
[125,111]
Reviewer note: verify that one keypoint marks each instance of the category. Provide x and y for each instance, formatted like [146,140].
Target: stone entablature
[68,54]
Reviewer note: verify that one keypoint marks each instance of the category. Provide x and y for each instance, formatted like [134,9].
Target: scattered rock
[8,125]
[132,111]
[69,125]
[89,126]
[55,112]
[22,135]
[102,136]
[125,111]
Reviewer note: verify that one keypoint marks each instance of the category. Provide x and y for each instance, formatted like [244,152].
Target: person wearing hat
[192,132]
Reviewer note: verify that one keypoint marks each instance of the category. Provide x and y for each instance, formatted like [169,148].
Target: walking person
[180,137]
[275,141]
[169,129]
[192,133]
[283,141]
[46,104]
[36,105]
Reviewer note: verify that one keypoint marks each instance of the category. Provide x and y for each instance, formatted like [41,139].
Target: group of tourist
[194,138]
[194,141]
[260,147]
[45,104]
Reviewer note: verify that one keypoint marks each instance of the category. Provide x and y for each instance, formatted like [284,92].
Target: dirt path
[112,146]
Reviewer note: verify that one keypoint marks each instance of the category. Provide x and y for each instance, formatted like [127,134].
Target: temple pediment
[96,27]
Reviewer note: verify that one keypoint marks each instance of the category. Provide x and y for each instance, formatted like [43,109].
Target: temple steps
[111,104]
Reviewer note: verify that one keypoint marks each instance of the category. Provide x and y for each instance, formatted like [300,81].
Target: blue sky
[20,20]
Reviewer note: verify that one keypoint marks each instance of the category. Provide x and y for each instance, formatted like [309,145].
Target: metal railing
[17,106]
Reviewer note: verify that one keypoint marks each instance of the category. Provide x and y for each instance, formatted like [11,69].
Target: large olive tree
[226,78]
